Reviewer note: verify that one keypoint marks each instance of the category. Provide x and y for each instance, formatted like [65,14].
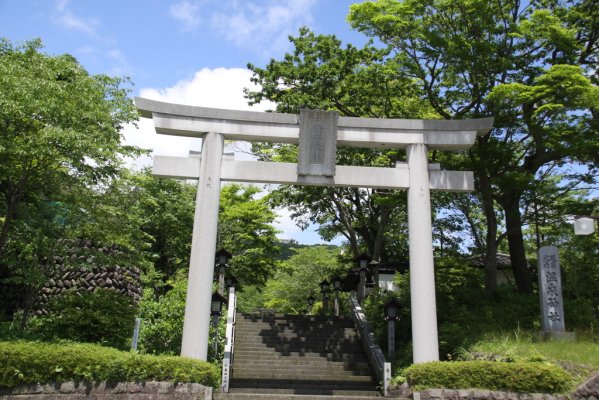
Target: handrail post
[229,341]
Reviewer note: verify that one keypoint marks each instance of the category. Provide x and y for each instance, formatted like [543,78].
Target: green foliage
[321,73]
[525,64]
[162,320]
[31,362]
[59,128]
[163,210]
[464,311]
[375,315]
[299,277]
[102,316]
[245,230]
[467,315]
[162,323]
[60,146]
[512,377]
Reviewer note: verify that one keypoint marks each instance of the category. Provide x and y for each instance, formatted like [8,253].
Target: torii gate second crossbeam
[318,134]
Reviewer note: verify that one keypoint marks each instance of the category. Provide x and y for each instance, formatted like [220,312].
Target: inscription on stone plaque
[317,143]
[550,290]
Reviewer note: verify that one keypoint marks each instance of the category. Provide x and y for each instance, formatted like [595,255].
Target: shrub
[101,316]
[30,362]
[512,377]
[162,320]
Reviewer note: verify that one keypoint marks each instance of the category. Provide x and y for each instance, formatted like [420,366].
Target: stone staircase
[298,357]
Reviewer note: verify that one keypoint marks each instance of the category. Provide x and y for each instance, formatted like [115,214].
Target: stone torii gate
[318,133]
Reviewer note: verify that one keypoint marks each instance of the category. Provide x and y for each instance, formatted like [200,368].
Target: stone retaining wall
[473,394]
[109,391]
[588,390]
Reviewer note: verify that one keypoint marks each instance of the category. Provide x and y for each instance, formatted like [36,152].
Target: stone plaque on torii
[321,133]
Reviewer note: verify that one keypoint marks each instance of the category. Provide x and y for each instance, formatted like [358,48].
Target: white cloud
[187,13]
[70,21]
[61,5]
[121,66]
[263,27]
[218,88]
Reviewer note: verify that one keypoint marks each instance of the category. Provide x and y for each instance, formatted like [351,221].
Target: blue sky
[160,42]
[183,51]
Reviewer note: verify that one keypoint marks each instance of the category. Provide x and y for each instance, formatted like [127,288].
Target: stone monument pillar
[550,295]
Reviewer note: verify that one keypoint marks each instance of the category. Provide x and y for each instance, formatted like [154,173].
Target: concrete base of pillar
[557,336]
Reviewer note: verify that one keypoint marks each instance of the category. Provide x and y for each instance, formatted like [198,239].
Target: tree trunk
[513,222]
[385,212]
[11,207]
[490,257]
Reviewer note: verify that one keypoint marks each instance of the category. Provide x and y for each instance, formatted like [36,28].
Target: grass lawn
[580,358]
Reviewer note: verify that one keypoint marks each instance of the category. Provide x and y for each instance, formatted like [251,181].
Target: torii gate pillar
[422,271]
[203,246]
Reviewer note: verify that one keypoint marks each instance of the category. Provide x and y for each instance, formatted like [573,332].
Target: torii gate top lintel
[193,121]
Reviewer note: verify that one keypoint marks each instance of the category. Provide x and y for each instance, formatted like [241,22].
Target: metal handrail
[375,356]
[229,341]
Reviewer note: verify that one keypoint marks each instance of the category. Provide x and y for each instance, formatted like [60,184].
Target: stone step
[304,357]
[300,362]
[291,326]
[241,352]
[300,370]
[299,375]
[257,331]
[337,395]
[363,369]
[292,317]
[275,340]
[242,384]
[298,344]
[308,330]
[295,362]
[322,351]
[253,341]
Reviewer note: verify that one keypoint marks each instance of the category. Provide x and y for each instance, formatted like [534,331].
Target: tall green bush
[162,323]
[102,316]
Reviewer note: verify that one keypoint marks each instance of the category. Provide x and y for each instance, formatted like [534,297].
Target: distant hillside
[287,247]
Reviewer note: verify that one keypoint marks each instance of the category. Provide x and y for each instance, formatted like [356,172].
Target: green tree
[162,211]
[299,277]
[59,129]
[245,230]
[165,208]
[529,64]
[60,146]
[321,74]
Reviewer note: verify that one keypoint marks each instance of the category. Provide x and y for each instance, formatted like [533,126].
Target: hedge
[31,362]
[520,377]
